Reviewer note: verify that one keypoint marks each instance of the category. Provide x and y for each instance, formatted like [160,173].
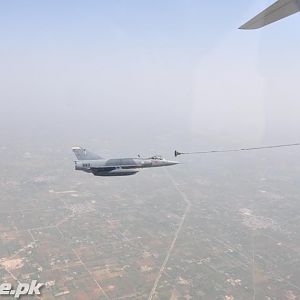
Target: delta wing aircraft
[277,11]
[93,163]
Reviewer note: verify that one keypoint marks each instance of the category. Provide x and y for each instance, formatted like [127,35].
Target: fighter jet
[277,11]
[92,163]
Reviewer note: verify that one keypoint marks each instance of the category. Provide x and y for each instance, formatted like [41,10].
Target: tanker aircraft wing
[277,11]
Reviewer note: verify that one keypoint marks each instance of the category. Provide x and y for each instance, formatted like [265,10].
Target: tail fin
[279,10]
[83,154]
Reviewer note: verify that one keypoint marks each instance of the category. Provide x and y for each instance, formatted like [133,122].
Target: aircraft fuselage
[121,166]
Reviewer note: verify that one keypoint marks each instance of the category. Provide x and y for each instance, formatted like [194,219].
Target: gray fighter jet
[277,11]
[93,163]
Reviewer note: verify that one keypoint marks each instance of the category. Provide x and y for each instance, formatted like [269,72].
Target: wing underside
[279,10]
[112,168]
[114,171]
[103,169]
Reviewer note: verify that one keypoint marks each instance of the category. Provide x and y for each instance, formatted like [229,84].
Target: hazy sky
[89,69]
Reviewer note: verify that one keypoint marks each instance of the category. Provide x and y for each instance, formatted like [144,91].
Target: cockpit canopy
[157,157]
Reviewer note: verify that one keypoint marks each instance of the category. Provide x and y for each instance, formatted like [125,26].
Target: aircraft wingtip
[248,26]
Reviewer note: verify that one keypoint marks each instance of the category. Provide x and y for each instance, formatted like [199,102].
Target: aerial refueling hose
[177,153]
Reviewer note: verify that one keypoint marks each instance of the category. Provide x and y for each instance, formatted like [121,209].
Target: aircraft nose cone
[171,163]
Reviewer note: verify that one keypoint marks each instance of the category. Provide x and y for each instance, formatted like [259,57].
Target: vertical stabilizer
[84,154]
